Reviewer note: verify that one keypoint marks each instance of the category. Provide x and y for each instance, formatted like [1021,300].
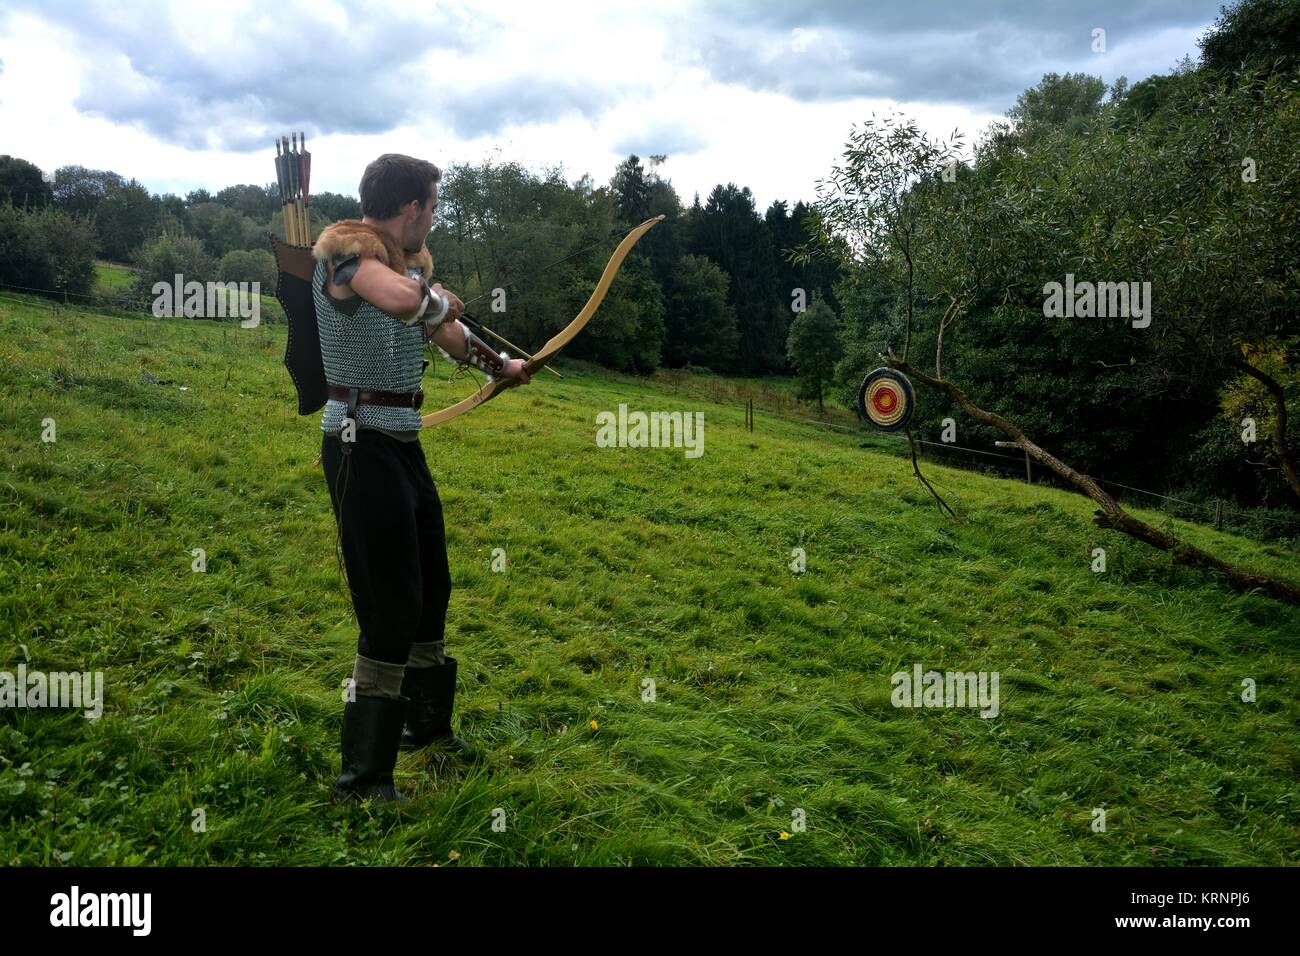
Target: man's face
[419,221]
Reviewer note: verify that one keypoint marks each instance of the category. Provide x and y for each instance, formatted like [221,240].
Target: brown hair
[393,180]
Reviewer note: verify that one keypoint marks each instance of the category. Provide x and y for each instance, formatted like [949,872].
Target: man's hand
[455,307]
[515,370]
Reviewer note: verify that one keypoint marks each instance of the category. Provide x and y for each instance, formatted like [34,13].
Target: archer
[375,310]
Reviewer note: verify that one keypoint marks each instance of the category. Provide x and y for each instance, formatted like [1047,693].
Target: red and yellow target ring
[886,400]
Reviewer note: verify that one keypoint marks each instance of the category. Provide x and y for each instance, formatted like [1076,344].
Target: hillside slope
[772,689]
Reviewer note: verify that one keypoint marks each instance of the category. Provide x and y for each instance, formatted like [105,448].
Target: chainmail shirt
[363,346]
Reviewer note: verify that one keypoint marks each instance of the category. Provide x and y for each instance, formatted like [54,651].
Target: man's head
[400,192]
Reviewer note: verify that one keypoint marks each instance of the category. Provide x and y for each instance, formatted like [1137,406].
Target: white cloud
[180,99]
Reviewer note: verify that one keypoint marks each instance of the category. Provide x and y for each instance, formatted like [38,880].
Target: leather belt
[369,397]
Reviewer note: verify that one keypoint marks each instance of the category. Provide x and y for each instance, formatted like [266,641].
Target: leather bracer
[481,355]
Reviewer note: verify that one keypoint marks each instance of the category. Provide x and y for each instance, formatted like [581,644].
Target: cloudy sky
[763,94]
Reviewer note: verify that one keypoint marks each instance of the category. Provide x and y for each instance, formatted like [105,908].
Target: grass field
[1119,690]
[111,279]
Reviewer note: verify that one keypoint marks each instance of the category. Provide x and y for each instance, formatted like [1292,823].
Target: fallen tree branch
[1110,514]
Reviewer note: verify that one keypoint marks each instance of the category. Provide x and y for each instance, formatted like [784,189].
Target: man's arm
[383,288]
[403,298]
[451,336]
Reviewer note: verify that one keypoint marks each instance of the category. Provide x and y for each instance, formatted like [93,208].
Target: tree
[1067,103]
[125,218]
[638,195]
[1226,186]
[255,202]
[864,215]
[79,191]
[45,248]
[1254,33]
[204,218]
[1151,98]
[629,333]
[1198,204]
[728,231]
[871,322]
[1065,220]
[631,189]
[699,324]
[123,211]
[332,206]
[814,348]
[170,214]
[231,230]
[524,251]
[665,244]
[22,183]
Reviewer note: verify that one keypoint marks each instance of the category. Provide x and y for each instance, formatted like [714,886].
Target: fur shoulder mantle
[352,236]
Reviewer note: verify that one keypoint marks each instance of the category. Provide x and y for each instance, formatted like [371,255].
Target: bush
[249,266]
[272,311]
[46,249]
[164,257]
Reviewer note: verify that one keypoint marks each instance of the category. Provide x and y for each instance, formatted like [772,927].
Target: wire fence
[82,304]
[1213,508]
[127,302]
[66,296]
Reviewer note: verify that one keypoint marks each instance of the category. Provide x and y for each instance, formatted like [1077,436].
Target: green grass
[111,280]
[1119,690]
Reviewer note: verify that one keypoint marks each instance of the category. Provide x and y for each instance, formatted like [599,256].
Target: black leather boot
[432,693]
[372,732]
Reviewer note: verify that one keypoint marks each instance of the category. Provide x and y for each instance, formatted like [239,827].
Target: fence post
[1218,515]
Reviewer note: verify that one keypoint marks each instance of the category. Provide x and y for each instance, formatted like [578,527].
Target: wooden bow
[557,341]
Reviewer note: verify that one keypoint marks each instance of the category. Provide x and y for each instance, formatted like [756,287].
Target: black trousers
[393,540]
